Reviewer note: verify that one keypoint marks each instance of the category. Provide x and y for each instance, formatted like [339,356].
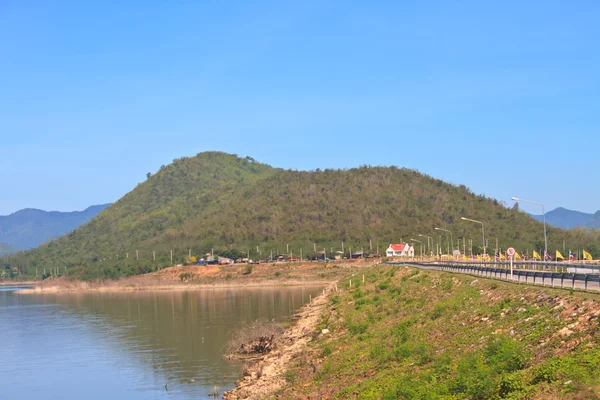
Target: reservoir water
[114,346]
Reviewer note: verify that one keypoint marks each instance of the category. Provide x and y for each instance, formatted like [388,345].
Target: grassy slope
[410,334]
[219,201]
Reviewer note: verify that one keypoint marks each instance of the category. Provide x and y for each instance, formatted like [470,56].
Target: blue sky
[501,96]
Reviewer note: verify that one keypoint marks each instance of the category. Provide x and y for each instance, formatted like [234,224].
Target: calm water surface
[128,345]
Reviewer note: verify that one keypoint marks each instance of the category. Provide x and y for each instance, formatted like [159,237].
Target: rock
[475,282]
[565,332]
[325,331]
[521,310]
[484,319]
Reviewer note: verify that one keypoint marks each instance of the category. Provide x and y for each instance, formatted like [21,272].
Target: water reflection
[128,345]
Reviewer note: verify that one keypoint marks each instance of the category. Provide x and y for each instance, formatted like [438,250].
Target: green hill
[230,204]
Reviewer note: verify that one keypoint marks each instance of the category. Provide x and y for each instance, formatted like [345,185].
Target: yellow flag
[587,255]
[536,255]
[517,255]
[502,256]
[558,255]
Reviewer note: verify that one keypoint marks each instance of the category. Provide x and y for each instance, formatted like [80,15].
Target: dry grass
[256,337]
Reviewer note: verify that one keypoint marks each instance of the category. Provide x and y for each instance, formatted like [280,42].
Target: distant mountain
[569,219]
[566,219]
[29,228]
[7,249]
[595,221]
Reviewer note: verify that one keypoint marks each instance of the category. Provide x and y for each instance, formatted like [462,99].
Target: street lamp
[421,245]
[451,239]
[430,245]
[482,231]
[544,214]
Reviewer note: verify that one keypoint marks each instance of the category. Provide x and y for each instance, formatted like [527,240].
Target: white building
[400,250]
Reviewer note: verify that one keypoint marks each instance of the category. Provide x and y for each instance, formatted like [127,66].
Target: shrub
[254,337]
[505,354]
[185,276]
[357,328]
[438,311]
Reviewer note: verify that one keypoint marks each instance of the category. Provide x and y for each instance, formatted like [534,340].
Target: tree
[148,175]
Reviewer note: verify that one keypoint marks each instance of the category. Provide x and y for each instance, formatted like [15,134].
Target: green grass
[433,335]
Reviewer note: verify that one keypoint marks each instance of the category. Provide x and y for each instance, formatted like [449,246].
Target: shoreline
[266,375]
[180,278]
[40,289]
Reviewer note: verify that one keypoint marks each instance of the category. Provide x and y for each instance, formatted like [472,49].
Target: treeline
[220,202]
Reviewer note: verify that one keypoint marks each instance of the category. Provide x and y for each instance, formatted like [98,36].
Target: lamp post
[429,245]
[421,245]
[482,231]
[451,239]
[544,214]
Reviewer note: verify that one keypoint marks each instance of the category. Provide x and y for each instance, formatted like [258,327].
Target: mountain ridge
[564,218]
[30,227]
[222,203]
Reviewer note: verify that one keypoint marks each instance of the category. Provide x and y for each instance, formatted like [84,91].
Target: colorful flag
[571,256]
[558,255]
[497,256]
[547,256]
[587,255]
[536,255]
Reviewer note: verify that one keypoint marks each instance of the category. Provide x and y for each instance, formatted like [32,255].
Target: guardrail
[530,273]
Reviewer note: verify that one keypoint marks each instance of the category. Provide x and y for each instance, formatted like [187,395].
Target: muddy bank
[208,277]
[267,374]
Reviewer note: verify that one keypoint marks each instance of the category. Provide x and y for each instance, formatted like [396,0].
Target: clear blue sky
[502,97]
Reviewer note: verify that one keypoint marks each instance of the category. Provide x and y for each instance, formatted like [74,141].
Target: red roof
[399,246]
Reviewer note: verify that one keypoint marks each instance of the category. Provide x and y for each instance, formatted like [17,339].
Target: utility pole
[189,253]
[315,246]
[137,256]
[154,255]
[171,257]
[126,255]
[287,248]
[342,247]
[300,254]
[370,245]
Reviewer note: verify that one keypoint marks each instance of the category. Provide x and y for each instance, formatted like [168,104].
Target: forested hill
[226,203]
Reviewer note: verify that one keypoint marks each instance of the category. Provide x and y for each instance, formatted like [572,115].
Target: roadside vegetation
[411,334]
